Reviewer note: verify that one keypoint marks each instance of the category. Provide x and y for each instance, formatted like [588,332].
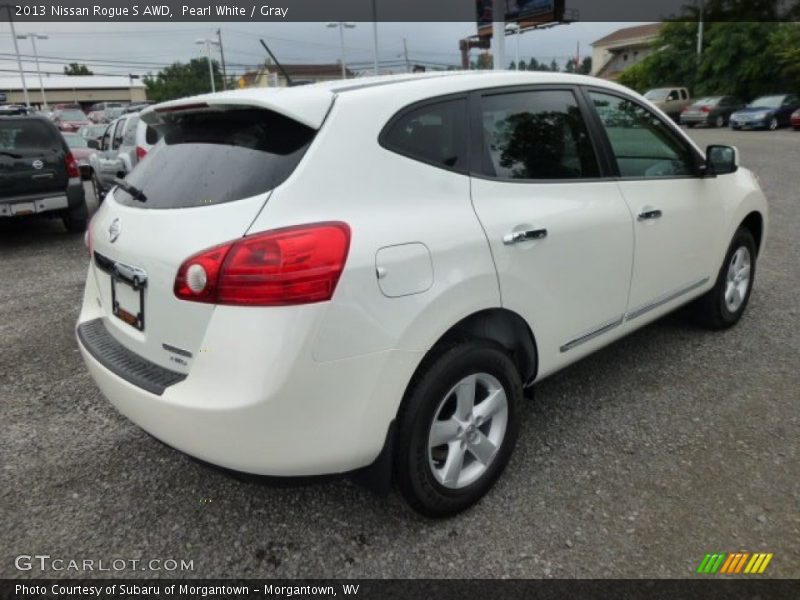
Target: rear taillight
[295,265]
[140,153]
[705,109]
[72,166]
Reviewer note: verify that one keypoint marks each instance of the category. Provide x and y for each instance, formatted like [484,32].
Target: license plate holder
[23,208]
[127,301]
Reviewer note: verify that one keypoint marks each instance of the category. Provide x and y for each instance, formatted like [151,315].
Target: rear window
[216,157]
[25,135]
[434,133]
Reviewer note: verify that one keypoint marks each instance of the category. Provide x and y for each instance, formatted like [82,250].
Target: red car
[70,119]
[796,119]
[79,146]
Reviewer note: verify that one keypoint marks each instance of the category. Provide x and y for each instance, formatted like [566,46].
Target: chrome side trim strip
[593,333]
[668,297]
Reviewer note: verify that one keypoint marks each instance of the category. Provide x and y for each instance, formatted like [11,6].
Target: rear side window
[434,134]
[150,135]
[25,135]
[129,135]
[216,157]
[536,135]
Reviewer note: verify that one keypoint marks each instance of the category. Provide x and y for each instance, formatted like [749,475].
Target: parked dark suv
[38,174]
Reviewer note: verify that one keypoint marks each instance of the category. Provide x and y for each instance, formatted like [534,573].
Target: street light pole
[33,37]
[19,60]
[375,36]
[207,43]
[700,27]
[341,25]
[516,29]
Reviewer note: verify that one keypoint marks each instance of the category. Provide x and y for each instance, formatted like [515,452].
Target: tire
[773,124]
[719,122]
[715,309]
[76,219]
[99,194]
[479,369]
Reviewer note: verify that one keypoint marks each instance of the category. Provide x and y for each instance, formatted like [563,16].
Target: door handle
[524,236]
[649,213]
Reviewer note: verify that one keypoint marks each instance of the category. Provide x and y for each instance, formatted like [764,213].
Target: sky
[124,48]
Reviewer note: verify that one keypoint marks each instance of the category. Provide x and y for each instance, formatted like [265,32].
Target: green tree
[742,58]
[586,66]
[554,66]
[533,65]
[179,80]
[512,66]
[77,69]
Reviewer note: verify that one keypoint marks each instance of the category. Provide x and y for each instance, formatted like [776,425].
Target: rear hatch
[32,158]
[203,184]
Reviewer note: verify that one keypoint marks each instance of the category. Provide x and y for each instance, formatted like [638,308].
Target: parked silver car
[126,141]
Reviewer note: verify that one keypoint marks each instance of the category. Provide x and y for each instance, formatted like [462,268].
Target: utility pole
[19,60]
[405,55]
[33,37]
[222,57]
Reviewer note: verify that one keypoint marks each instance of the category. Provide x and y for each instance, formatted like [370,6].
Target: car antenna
[289,81]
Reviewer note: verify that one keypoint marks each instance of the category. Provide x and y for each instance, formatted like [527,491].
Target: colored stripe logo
[735,563]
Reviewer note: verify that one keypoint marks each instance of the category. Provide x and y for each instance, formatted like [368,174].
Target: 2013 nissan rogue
[365,275]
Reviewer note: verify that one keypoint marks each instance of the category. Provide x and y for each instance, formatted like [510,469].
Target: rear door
[559,233]
[32,158]
[204,185]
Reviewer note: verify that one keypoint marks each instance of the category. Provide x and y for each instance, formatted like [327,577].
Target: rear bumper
[242,408]
[26,204]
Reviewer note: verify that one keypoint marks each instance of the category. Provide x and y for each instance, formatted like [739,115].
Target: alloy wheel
[720,121]
[467,430]
[773,124]
[737,280]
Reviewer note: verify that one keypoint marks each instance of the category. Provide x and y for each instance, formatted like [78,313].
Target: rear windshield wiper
[11,154]
[131,189]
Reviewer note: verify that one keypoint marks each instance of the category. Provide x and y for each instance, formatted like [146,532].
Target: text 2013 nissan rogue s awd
[321,279]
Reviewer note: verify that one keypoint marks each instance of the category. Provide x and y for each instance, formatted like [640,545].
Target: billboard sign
[525,12]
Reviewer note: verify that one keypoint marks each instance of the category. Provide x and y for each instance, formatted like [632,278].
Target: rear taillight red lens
[705,109]
[72,166]
[140,153]
[295,265]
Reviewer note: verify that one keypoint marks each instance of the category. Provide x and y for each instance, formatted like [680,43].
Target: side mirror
[721,160]
[93,144]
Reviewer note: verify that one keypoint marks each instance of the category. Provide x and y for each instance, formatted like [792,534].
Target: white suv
[363,276]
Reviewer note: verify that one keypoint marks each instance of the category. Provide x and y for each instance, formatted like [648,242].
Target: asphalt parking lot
[635,462]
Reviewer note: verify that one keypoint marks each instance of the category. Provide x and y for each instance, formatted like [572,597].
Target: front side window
[434,133]
[643,145]
[536,135]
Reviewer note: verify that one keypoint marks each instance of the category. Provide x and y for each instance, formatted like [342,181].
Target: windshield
[767,102]
[657,95]
[72,115]
[216,157]
[75,141]
[711,101]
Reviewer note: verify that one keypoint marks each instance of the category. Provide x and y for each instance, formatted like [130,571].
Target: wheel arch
[754,223]
[499,325]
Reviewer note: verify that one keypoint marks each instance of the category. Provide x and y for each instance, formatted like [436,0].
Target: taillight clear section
[72,166]
[294,265]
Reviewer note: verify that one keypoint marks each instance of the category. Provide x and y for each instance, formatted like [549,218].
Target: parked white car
[363,276]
